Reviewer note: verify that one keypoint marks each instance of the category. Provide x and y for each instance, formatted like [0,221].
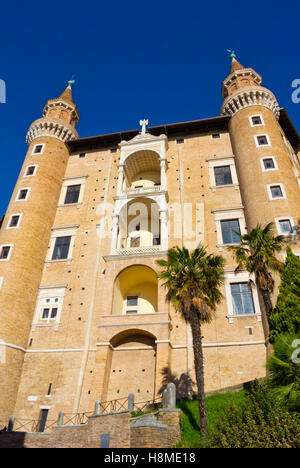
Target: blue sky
[160,60]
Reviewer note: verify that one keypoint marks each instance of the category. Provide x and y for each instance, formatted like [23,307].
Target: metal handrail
[73,419]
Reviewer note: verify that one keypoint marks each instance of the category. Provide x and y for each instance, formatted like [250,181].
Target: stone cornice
[55,128]
[250,96]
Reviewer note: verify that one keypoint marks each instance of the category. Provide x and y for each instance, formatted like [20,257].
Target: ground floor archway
[133,366]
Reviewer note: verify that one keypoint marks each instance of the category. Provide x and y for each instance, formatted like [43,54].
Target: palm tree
[284,370]
[193,281]
[256,254]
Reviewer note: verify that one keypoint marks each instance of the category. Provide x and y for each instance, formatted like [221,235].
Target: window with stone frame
[23,194]
[262,140]
[256,120]
[269,163]
[276,191]
[132,305]
[230,231]
[223,175]
[72,194]
[4,252]
[14,221]
[242,299]
[285,226]
[61,248]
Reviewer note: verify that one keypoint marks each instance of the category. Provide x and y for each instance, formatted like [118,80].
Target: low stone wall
[160,429]
[157,430]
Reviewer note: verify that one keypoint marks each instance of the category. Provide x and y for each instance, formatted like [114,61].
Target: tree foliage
[262,422]
[257,254]
[284,370]
[193,281]
[285,317]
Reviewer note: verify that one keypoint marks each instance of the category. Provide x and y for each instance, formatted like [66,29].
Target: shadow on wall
[184,384]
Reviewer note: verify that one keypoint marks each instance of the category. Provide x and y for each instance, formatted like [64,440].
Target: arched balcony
[142,171]
[140,226]
[135,291]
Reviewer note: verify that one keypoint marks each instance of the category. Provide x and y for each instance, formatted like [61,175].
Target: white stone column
[114,234]
[120,179]
[163,175]
[163,230]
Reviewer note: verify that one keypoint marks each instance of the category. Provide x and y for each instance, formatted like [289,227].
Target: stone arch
[133,365]
[142,168]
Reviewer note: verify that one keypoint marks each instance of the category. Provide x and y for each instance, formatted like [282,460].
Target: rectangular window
[223,175]
[256,120]
[132,305]
[53,313]
[82,155]
[242,299]
[14,221]
[38,149]
[269,163]
[72,194]
[285,226]
[61,248]
[134,241]
[4,252]
[276,191]
[132,301]
[215,135]
[30,170]
[230,228]
[49,313]
[45,313]
[23,193]
[180,140]
[262,140]
[156,239]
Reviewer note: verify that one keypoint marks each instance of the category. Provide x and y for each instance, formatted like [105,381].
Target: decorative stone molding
[250,96]
[50,128]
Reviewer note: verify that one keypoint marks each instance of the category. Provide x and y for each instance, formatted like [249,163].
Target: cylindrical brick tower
[266,163]
[25,234]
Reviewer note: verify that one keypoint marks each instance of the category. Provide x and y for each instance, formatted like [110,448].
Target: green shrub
[284,370]
[285,317]
[262,422]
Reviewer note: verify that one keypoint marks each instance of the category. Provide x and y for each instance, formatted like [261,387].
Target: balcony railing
[138,190]
[138,250]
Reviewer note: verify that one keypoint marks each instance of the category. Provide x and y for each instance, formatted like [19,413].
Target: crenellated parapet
[250,96]
[55,128]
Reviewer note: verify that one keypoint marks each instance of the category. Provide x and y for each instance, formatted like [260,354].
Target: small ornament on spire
[232,54]
[71,82]
[143,124]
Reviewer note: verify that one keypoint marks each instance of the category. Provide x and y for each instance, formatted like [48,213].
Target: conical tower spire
[67,94]
[63,107]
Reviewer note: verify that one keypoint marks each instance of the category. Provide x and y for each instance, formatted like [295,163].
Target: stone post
[11,423]
[97,409]
[131,402]
[60,420]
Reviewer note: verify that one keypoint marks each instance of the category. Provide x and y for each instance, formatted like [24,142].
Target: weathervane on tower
[71,81]
[232,54]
